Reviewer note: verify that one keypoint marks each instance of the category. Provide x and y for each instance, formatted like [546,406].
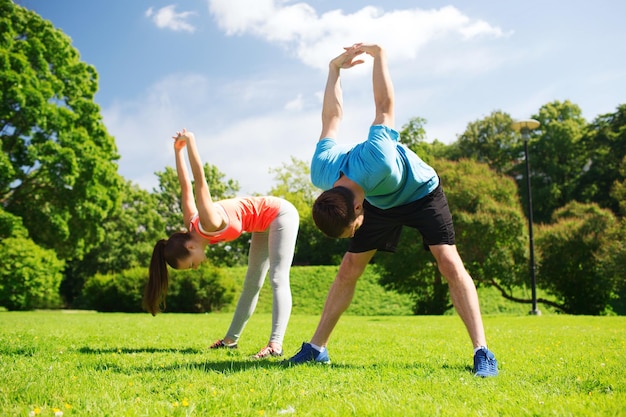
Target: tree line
[67,216]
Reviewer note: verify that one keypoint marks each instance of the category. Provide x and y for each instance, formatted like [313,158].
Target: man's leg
[462,291]
[337,301]
[340,294]
[465,300]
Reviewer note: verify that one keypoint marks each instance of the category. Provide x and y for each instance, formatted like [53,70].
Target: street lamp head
[524,126]
[520,125]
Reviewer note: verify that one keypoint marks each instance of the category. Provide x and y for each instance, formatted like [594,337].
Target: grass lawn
[95,364]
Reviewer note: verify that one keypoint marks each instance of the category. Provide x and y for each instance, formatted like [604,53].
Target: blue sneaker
[308,353]
[485,363]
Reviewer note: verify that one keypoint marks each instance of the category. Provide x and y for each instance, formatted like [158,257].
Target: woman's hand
[180,139]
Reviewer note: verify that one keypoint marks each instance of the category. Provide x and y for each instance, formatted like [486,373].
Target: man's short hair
[333,211]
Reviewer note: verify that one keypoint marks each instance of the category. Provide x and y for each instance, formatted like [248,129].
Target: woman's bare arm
[211,218]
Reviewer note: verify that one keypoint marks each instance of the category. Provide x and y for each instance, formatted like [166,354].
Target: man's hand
[372,50]
[347,58]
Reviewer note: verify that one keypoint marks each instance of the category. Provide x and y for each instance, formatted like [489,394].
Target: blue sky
[247,75]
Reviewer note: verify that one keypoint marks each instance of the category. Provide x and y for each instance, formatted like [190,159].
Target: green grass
[94,364]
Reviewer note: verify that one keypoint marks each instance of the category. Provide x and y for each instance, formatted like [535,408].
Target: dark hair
[166,252]
[333,211]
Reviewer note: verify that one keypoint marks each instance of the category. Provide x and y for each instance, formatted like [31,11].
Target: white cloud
[246,126]
[143,127]
[167,18]
[241,128]
[313,38]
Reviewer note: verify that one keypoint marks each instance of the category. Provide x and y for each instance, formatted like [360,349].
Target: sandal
[268,351]
[220,344]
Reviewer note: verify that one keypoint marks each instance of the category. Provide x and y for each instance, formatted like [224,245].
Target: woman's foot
[267,351]
[222,344]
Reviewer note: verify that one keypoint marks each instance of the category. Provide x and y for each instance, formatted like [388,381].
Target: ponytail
[166,252]
[158,280]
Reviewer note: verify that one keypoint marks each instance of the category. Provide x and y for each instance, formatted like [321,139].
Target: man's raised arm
[383,87]
[332,107]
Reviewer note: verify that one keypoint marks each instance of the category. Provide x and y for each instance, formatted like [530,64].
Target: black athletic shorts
[381,228]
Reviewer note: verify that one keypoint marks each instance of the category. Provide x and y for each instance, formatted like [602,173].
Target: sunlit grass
[81,364]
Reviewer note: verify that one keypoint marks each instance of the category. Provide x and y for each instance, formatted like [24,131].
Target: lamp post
[524,126]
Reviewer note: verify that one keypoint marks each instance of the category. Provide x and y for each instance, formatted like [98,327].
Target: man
[373,189]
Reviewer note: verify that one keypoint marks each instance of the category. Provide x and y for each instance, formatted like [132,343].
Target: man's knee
[448,261]
[353,265]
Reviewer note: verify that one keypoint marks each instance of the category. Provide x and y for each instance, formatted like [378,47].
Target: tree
[618,191]
[573,261]
[557,158]
[57,169]
[557,154]
[491,141]
[605,142]
[293,183]
[413,135]
[611,259]
[132,230]
[490,233]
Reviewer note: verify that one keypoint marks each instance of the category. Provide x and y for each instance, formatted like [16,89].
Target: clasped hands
[180,139]
[347,58]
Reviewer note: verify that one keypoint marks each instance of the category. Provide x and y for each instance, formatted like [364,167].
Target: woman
[273,223]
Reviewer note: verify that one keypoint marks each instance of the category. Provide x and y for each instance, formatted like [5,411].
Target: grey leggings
[271,251]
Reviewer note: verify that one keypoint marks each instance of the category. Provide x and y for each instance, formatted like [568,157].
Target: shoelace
[486,363]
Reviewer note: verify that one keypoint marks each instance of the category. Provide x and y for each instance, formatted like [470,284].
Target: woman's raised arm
[211,218]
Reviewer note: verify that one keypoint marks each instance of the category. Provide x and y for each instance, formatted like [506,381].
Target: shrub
[190,291]
[203,290]
[114,292]
[29,275]
[573,253]
[310,285]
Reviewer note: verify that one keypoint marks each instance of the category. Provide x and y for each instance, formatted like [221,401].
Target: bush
[114,292]
[572,257]
[29,275]
[190,291]
[310,285]
[203,290]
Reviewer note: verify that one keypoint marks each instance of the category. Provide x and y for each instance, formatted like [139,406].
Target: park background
[76,235]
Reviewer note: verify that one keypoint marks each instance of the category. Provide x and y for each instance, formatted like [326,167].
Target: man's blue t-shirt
[390,174]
